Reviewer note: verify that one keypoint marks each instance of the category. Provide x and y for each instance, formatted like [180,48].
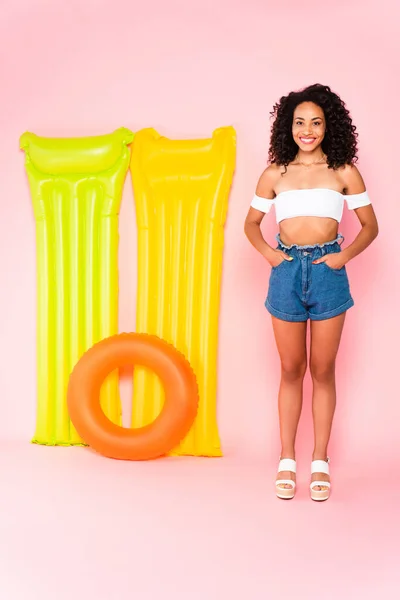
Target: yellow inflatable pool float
[181,191]
[76,187]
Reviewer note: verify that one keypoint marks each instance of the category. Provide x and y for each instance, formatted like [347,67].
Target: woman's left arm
[354,184]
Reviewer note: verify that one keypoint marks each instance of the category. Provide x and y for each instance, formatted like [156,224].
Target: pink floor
[76,525]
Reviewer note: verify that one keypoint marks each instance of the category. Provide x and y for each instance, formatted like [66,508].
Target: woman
[311,173]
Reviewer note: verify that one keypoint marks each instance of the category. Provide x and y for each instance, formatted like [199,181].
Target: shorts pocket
[341,271]
[281,264]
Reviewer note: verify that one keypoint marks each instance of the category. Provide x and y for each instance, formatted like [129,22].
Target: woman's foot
[286,478]
[319,477]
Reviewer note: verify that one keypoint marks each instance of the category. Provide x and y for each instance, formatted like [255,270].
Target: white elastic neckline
[309,190]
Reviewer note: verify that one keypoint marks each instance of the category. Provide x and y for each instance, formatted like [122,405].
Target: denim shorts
[299,290]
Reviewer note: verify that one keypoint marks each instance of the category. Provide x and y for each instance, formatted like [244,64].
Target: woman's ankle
[288,453]
[320,455]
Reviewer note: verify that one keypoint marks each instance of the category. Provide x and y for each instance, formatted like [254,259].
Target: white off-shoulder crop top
[310,202]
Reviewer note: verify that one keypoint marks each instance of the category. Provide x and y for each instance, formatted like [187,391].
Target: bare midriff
[305,231]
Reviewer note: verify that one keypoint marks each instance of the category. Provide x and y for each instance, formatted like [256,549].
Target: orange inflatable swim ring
[154,439]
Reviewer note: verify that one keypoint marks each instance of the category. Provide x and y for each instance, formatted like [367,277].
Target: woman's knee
[322,371]
[293,370]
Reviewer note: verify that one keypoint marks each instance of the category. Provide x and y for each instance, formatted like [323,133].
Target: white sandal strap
[314,484]
[287,464]
[320,466]
[286,481]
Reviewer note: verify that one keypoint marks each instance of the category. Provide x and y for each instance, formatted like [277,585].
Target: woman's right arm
[252,229]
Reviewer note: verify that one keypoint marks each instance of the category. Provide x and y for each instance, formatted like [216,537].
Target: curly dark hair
[340,141]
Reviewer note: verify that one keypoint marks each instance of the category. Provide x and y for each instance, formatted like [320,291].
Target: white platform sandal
[320,466]
[286,464]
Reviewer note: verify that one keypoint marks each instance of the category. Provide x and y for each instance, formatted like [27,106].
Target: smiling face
[308,126]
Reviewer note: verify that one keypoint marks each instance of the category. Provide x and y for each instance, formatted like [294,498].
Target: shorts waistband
[339,240]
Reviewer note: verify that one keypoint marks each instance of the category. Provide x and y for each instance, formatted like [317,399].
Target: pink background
[186,67]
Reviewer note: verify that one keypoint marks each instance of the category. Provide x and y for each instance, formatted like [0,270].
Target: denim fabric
[299,290]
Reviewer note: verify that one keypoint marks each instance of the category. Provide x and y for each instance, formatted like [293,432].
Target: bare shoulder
[353,182]
[267,183]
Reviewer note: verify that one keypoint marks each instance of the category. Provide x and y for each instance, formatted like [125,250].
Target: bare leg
[291,343]
[325,339]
